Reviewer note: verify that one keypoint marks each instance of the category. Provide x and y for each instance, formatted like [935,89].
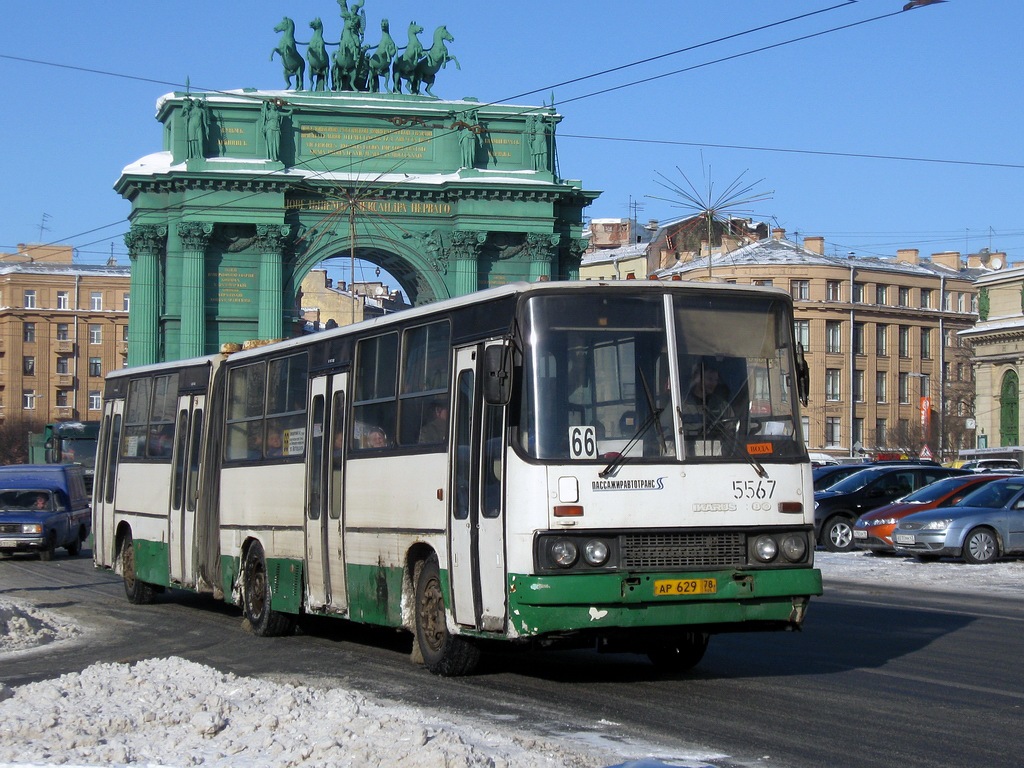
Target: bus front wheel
[264,621]
[679,654]
[443,653]
[137,591]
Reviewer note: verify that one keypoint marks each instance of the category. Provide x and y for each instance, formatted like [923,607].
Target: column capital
[271,238]
[145,238]
[195,235]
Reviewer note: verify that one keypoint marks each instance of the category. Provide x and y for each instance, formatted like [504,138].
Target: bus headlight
[564,553]
[765,549]
[595,552]
[794,548]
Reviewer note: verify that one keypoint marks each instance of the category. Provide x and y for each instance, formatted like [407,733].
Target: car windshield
[857,480]
[935,491]
[21,499]
[993,495]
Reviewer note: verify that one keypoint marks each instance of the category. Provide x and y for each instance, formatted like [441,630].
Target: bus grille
[679,550]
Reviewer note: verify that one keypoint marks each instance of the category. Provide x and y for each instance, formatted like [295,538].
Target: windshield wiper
[615,463]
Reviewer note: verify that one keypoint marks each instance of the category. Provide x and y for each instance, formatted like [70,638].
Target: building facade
[890,372]
[63,326]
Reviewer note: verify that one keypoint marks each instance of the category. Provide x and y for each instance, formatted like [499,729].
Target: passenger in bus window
[161,441]
[339,446]
[707,408]
[436,429]
[376,438]
[274,443]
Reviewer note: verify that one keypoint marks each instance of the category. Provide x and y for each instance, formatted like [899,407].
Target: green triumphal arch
[254,188]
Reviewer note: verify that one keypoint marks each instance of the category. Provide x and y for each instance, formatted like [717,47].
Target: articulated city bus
[550,464]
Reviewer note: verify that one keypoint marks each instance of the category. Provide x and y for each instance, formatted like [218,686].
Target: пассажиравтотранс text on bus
[618,466]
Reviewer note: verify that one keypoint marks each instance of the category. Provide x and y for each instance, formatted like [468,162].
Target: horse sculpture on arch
[379,62]
[434,60]
[294,64]
[316,54]
[405,65]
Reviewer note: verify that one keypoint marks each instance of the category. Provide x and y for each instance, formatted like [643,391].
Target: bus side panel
[143,496]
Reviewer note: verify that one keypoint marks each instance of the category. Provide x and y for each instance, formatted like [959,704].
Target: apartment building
[63,326]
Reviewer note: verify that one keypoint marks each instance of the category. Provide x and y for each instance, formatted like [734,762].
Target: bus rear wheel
[443,653]
[679,654]
[264,621]
[137,591]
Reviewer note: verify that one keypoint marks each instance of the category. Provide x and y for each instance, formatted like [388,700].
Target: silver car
[985,525]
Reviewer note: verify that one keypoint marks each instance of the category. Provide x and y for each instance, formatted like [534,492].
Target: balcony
[65,380]
[64,412]
[64,347]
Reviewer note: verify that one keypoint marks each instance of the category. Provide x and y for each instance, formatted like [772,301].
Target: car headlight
[595,552]
[31,528]
[794,548]
[883,521]
[564,553]
[765,548]
[937,525]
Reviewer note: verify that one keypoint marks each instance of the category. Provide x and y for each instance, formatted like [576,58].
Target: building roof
[612,255]
[81,270]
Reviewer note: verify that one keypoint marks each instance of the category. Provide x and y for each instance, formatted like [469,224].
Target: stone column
[271,239]
[541,249]
[145,242]
[465,257]
[570,268]
[195,236]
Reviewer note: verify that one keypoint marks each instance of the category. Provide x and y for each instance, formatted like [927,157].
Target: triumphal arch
[356,158]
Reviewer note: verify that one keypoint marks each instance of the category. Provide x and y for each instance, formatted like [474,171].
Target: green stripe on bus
[152,562]
[375,594]
[286,582]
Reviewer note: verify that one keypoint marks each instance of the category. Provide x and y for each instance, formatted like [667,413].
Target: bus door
[185,462]
[325,561]
[476,506]
[105,482]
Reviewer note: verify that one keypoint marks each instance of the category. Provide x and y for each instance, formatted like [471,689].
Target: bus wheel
[679,654]
[443,653]
[137,591]
[256,597]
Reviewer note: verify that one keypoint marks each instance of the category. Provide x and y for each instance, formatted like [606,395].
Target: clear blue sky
[939,83]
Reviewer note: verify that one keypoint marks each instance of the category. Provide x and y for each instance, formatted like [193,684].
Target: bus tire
[443,653]
[679,654]
[263,620]
[137,591]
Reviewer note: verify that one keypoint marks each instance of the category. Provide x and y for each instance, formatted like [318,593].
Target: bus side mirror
[497,374]
[52,453]
[803,376]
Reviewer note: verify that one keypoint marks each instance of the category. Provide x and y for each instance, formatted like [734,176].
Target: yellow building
[889,373]
[63,326]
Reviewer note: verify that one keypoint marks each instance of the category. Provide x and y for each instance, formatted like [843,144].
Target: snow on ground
[172,712]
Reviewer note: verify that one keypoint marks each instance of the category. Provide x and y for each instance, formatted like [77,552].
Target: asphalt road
[878,677]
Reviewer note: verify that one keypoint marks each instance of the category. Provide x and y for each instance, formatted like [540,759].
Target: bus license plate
[905,538]
[667,587]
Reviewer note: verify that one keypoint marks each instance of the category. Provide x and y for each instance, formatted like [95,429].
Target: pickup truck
[43,507]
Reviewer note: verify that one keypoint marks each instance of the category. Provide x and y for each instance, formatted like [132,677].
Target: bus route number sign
[583,442]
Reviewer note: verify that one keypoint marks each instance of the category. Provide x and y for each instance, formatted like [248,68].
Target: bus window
[424,387]
[374,402]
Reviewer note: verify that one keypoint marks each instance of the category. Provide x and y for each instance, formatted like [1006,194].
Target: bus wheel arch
[136,590]
[256,593]
[444,652]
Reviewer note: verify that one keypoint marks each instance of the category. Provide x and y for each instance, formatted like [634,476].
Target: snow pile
[1004,577]
[25,626]
[175,712]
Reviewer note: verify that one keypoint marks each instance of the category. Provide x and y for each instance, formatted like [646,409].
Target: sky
[880,129]
[175,712]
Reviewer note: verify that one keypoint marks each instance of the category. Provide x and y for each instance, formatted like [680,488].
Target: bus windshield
[705,377]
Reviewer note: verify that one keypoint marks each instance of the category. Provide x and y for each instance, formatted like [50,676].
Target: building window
[63,300]
[800,290]
[904,387]
[96,301]
[62,332]
[833,390]
[904,341]
[926,298]
[904,296]
[762,283]
[28,399]
[95,402]
[832,432]
[858,386]
[858,431]
[881,428]
[881,294]
[833,290]
[881,396]
[833,336]
[947,301]
[28,365]
[61,398]
[858,293]
[882,340]
[28,332]
[858,338]
[30,299]
[63,364]
[95,366]
[802,331]
[926,385]
[805,426]
[961,302]
[95,333]
[126,305]
[926,343]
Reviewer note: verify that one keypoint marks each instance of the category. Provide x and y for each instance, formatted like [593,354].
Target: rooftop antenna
[112,261]
[634,207]
[42,226]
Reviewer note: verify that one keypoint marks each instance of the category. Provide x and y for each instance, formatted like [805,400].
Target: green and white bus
[523,465]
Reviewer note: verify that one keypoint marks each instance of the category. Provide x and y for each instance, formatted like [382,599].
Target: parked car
[838,508]
[43,507]
[992,465]
[832,474]
[985,525]
[873,531]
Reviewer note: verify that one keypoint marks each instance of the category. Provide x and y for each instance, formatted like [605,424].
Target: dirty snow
[173,712]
